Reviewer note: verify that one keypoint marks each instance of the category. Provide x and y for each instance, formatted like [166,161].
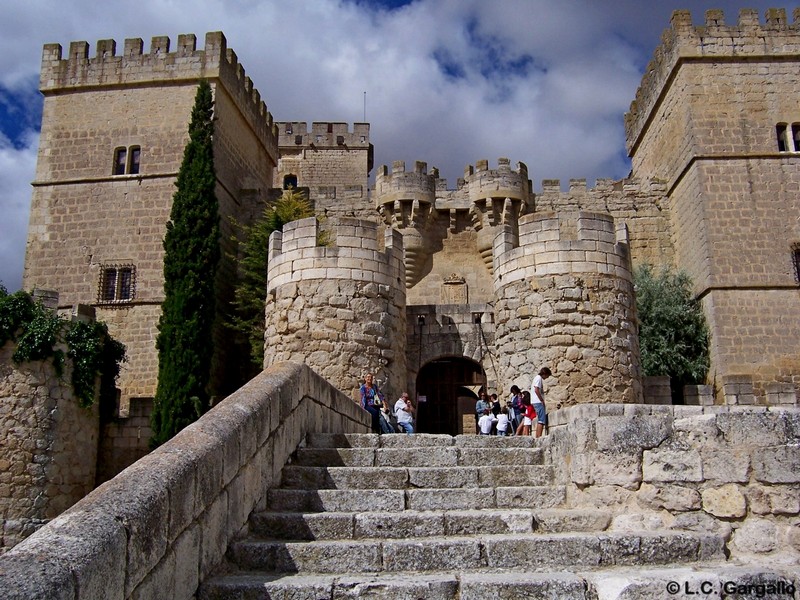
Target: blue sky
[448,82]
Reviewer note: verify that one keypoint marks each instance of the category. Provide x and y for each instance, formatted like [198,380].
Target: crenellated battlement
[323,134]
[398,184]
[295,254]
[482,182]
[684,41]
[79,70]
[583,243]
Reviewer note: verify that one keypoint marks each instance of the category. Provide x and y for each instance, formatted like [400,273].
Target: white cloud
[560,111]
[16,173]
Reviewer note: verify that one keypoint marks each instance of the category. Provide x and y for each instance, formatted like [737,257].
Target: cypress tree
[191,255]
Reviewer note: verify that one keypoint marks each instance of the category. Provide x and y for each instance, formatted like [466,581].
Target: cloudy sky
[449,82]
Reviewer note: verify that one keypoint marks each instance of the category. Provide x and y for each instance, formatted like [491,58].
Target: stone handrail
[161,526]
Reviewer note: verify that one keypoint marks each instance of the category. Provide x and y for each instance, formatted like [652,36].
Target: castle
[441,290]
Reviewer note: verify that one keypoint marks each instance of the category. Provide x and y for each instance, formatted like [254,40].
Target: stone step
[314,478]
[616,583]
[453,456]
[515,551]
[417,524]
[396,500]
[419,440]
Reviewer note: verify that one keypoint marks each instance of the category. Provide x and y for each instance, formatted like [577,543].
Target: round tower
[339,307]
[497,197]
[405,199]
[565,300]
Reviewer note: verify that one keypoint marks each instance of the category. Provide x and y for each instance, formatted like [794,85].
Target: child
[528,413]
[486,421]
[502,421]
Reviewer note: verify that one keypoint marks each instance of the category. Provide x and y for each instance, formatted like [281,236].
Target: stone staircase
[432,516]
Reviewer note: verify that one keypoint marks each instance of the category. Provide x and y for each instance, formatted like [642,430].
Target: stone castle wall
[565,300]
[732,471]
[704,121]
[338,308]
[48,457]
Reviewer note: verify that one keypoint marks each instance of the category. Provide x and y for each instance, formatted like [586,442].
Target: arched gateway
[447,390]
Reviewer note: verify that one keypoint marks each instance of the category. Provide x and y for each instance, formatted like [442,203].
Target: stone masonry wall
[338,308]
[728,470]
[335,173]
[48,456]
[85,218]
[163,525]
[565,300]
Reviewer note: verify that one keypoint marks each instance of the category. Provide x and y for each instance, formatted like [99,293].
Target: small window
[117,284]
[796,136]
[120,161]
[126,160]
[290,182]
[288,129]
[135,152]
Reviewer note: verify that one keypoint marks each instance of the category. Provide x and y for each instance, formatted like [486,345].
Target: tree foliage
[251,287]
[673,335]
[191,255]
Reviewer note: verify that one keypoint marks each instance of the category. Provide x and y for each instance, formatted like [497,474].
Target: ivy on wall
[40,334]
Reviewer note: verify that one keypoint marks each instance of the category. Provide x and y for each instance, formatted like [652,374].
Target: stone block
[725,502]
[776,499]
[780,464]
[755,536]
[726,465]
[537,551]
[213,525]
[630,435]
[444,477]
[702,522]
[452,499]
[755,427]
[673,498]
[421,585]
[485,522]
[531,497]
[405,525]
[564,520]
[435,554]
[186,550]
[313,557]
[672,465]
[606,468]
[510,586]
[429,457]
[300,526]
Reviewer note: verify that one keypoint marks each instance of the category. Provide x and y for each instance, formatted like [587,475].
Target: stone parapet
[322,135]
[163,525]
[731,470]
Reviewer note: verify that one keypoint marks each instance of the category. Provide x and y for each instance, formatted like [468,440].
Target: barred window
[796,261]
[117,284]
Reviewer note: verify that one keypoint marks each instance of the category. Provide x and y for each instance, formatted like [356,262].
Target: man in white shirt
[537,399]
[404,411]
